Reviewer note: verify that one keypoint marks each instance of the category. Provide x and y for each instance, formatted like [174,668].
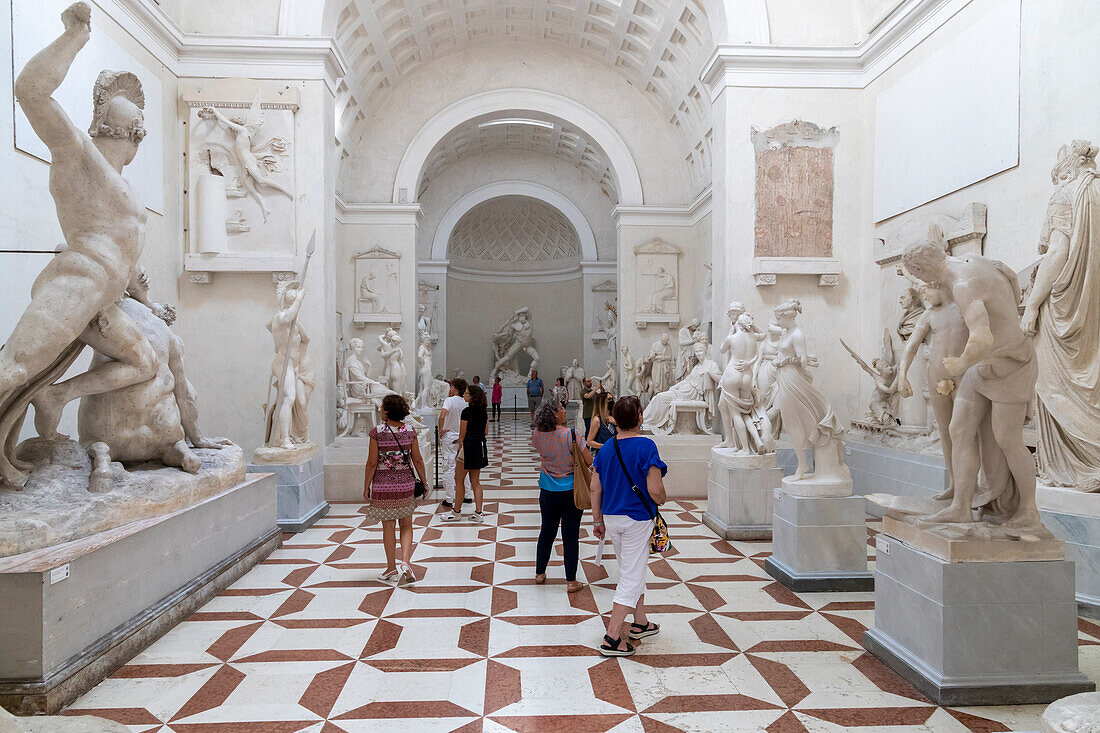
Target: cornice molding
[356,213]
[851,67]
[201,55]
[665,216]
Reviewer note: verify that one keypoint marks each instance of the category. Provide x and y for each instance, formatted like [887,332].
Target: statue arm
[223,120]
[44,73]
[1050,266]
[920,333]
[291,313]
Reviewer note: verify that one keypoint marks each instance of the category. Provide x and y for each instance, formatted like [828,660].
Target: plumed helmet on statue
[1078,155]
[109,86]
[283,288]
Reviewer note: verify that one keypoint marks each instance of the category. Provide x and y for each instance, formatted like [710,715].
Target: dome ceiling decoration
[659,46]
[513,229]
[556,138]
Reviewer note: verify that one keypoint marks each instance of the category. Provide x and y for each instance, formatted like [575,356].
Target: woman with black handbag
[625,511]
[391,485]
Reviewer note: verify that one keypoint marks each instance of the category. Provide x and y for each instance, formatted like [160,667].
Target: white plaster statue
[765,367]
[370,300]
[643,372]
[360,395]
[154,420]
[686,337]
[912,307]
[942,326]
[357,374]
[745,426]
[423,321]
[424,368]
[1063,312]
[612,329]
[255,162]
[287,419]
[994,380]
[630,377]
[394,372]
[662,364]
[515,336]
[574,375]
[664,289]
[808,419]
[74,301]
[883,409]
[699,385]
[608,380]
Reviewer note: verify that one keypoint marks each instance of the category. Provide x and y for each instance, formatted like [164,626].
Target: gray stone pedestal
[76,612]
[739,495]
[1074,516]
[301,488]
[687,457]
[819,543]
[976,633]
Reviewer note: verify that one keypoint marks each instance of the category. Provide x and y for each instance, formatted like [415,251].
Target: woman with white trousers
[618,513]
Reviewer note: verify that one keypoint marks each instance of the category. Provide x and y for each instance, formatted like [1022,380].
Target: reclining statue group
[136,403]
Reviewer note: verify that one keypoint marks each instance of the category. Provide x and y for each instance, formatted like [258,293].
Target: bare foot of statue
[180,454]
[954,514]
[1024,519]
[947,494]
[47,412]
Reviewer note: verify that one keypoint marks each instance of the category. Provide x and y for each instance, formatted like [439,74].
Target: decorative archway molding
[514,188]
[518,101]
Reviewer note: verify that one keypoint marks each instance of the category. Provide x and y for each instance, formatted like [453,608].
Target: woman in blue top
[619,513]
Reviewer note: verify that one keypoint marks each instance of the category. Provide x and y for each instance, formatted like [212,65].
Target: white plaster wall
[472,173]
[1059,101]
[29,231]
[831,312]
[816,23]
[225,17]
[369,174]
[476,310]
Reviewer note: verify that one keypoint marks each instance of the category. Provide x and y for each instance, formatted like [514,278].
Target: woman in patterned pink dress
[389,482]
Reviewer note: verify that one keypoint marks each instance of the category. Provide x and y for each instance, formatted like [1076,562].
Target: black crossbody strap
[641,498]
[403,453]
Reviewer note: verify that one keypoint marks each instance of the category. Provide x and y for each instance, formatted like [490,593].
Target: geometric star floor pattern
[311,641]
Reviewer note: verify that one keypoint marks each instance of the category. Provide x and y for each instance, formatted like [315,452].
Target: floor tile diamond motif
[312,641]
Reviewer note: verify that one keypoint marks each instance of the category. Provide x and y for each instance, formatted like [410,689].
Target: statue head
[576,362]
[909,299]
[699,351]
[117,104]
[774,330]
[925,261]
[694,324]
[286,291]
[787,311]
[420,308]
[356,345]
[744,321]
[664,339]
[735,310]
[625,350]
[931,294]
[1079,155]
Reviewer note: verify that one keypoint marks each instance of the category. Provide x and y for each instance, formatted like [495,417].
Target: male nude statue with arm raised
[74,299]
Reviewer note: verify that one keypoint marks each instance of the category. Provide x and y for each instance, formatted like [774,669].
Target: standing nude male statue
[74,301]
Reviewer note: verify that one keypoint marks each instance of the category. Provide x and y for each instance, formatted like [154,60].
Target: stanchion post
[438,483]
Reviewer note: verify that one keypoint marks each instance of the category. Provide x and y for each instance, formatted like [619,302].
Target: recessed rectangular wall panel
[952,120]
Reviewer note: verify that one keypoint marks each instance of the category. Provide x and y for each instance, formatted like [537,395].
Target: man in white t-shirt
[450,421]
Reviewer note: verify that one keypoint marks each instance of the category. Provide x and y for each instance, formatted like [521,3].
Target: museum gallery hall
[509,365]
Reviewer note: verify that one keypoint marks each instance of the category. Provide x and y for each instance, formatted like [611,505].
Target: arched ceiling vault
[529,133]
[659,46]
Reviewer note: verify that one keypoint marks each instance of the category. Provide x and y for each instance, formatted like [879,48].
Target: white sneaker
[451,516]
[477,517]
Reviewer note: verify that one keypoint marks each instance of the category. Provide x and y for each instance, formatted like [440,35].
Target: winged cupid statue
[883,409]
[250,164]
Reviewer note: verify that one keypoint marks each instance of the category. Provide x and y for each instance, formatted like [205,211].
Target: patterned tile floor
[310,640]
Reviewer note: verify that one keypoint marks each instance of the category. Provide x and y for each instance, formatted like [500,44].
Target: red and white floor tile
[311,641]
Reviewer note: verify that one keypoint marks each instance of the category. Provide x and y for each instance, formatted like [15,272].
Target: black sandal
[641,631]
[610,648]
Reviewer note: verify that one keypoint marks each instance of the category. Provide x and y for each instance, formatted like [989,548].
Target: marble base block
[74,613]
[878,468]
[688,458]
[976,633]
[301,490]
[819,543]
[739,495]
[1074,516]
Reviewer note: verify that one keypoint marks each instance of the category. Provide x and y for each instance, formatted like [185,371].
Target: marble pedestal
[301,491]
[976,633]
[688,458]
[74,613]
[880,468]
[819,543]
[739,495]
[1074,516]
